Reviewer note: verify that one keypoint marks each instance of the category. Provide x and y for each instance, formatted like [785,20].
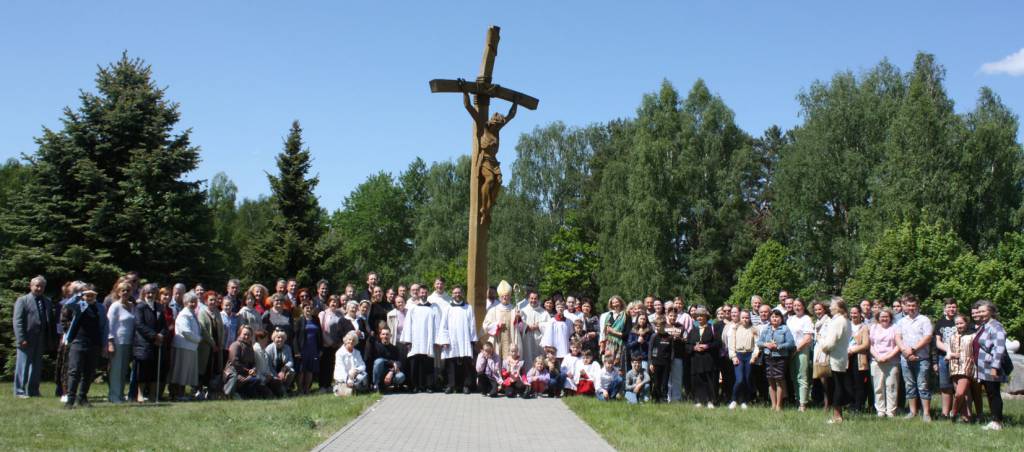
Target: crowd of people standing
[196,344]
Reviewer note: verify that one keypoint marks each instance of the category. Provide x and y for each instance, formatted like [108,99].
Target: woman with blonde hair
[835,343]
[615,327]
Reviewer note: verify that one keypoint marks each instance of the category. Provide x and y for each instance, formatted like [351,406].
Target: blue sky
[356,75]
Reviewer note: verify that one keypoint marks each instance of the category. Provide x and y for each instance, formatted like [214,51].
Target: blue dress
[310,351]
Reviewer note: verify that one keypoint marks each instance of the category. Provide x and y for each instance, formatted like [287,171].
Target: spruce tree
[106,192]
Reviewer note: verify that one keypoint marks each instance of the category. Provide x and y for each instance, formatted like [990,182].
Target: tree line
[881,189]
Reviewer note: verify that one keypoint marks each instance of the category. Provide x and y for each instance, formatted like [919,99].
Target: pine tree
[106,192]
[288,247]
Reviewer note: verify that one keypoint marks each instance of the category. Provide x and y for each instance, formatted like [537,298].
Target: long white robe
[503,316]
[529,344]
[420,328]
[557,336]
[458,332]
[442,302]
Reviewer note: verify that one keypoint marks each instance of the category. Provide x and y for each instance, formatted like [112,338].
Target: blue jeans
[613,389]
[741,389]
[556,384]
[945,382]
[28,366]
[636,397]
[380,369]
[915,378]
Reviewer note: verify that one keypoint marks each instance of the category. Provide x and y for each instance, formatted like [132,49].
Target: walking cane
[159,362]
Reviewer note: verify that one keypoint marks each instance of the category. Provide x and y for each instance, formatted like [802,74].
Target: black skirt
[840,395]
[775,367]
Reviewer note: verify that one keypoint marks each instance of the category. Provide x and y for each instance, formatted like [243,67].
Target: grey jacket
[28,322]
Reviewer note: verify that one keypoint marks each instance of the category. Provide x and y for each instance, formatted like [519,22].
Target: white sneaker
[881,414]
[697,405]
[711,405]
[743,406]
[992,426]
[64,398]
[732,406]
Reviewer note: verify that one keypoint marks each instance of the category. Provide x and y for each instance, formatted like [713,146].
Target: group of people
[198,344]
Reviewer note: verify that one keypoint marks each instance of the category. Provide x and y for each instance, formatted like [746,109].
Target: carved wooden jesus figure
[486,175]
[489,177]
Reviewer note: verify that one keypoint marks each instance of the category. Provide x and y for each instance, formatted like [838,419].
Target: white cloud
[1011,65]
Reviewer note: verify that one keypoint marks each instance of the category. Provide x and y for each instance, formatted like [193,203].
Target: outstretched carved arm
[467,103]
[511,112]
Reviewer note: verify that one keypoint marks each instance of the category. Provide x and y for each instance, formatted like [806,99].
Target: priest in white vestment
[535,321]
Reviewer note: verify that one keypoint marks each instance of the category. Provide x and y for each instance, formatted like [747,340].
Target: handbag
[585,387]
[822,370]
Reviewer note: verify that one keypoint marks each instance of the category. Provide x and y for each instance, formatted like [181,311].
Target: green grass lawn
[289,424]
[682,427]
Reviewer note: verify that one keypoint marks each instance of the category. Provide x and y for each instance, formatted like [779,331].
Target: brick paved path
[456,422]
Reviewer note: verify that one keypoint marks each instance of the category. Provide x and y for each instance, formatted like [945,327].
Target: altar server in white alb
[558,333]
[420,331]
[535,321]
[457,336]
[441,300]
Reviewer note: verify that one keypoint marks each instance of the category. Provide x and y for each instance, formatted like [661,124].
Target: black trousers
[460,372]
[659,382]
[995,399]
[486,385]
[326,377]
[687,378]
[704,386]
[856,386]
[421,366]
[81,372]
[516,389]
[728,372]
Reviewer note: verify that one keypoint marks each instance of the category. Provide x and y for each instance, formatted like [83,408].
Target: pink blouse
[883,340]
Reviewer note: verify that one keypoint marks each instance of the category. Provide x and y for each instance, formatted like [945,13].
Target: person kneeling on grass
[586,375]
[349,368]
[282,364]
[608,380]
[637,382]
[488,371]
[241,376]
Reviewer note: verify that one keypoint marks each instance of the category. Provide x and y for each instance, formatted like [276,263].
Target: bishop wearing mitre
[502,322]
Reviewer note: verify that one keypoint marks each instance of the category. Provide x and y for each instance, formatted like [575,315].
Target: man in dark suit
[35,333]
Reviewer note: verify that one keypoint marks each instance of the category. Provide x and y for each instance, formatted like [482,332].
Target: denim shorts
[945,382]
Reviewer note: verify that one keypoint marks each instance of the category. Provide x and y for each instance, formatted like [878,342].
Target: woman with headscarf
[150,331]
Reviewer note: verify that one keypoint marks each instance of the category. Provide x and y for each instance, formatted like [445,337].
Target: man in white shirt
[913,338]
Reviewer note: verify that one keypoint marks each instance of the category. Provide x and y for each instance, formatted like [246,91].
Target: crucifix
[485,180]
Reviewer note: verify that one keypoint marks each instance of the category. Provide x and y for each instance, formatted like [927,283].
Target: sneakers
[711,405]
[926,418]
[64,398]
[993,426]
[881,414]
[697,405]
[910,416]
[732,406]
[743,406]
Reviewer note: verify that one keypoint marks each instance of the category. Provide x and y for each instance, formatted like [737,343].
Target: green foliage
[822,180]
[909,259]
[287,248]
[106,192]
[998,277]
[570,263]
[771,270]
[519,235]
[368,233]
[220,199]
[441,221]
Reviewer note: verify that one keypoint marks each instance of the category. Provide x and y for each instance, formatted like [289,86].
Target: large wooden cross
[482,90]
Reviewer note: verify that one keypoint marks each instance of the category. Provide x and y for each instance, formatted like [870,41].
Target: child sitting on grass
[608,380]
[538,377]
[587,375]
[637,382]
